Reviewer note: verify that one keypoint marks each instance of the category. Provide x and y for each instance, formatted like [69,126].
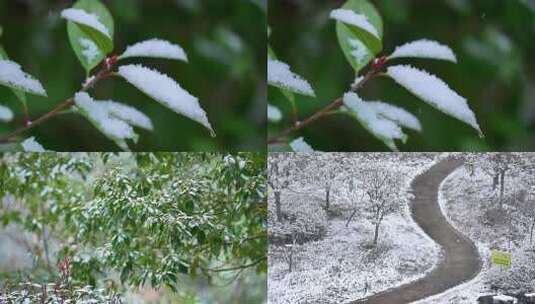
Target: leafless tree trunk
[531,231]
[502,187]
[278,205]
[327,197]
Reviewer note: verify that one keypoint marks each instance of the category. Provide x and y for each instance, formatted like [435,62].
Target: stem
[28,125]
[328,110]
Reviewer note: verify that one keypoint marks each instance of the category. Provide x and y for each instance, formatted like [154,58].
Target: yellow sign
[500,258]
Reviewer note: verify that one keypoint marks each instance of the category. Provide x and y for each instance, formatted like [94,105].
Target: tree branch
[252,264]
[333,106]
[105,72]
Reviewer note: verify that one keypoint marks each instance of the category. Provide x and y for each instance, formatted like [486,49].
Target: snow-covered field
[341,266]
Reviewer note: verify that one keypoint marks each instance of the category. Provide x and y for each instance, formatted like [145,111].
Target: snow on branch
[396,114]
[299,145]
[11,75]
[435,92]
[31,145]
[155,48]
[99,114]
[424,49]
[82,17]
[6,115]
[384,129]
[348,16]
[166,91]
[280,75]
[273,113]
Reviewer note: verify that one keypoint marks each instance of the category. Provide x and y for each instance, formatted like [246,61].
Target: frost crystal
[99,115]
[155,48]
[12,75]
[380,127]
[90,49]
[128,114]
[166,91]
[6,115]
[396,114]
[350,17]
[273,113]
[424,49]
[435,92]
[299,145]
[31,145]
[82,17]
[280,75]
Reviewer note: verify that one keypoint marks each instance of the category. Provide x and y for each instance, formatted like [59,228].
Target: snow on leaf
[31,145]
[299,145]
[166,91]
[114,128]
[273,113]
[359,51]
[396,114]
[128,114]
[90,49]
[80,16]
[280,75]
[6,115]
[11,75]
[435,92]
[348,16]
[424,49]
[384,129]
[155,48]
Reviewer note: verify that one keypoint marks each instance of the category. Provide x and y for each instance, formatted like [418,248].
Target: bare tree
[279,170]
[382,191]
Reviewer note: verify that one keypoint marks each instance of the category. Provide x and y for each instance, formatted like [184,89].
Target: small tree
[382,188]
[280,174]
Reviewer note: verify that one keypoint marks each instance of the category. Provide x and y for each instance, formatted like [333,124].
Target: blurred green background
[225,42]
[494,41]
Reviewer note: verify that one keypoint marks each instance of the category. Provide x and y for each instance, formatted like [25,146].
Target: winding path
[460,261]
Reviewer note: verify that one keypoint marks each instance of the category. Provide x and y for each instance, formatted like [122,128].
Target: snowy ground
[466,200]
[338,267]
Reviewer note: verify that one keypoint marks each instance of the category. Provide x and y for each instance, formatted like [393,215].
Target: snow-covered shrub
[520,277]
[90,28]
[300,224]
[359,29]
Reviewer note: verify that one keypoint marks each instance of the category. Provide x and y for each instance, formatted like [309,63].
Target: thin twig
[28,125]
[328,110]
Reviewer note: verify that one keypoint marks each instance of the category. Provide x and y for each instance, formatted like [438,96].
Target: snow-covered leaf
[95,29]
[99,115]
[424,49]
[358,44]
[352,18]
[18,93]
[435,92]
[166,91]
[384,129]
[128,114]
[155,48]
[31,145]
[84,18]
[299,145]
[280,75]
[6,115]
[396,114]
[273,113]
[11,75]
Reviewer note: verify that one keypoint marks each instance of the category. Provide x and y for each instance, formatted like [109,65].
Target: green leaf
[288,94]
[80,36]
[20,95]
[358,45]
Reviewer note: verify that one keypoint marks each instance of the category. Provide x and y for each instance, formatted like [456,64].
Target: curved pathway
[460,261]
